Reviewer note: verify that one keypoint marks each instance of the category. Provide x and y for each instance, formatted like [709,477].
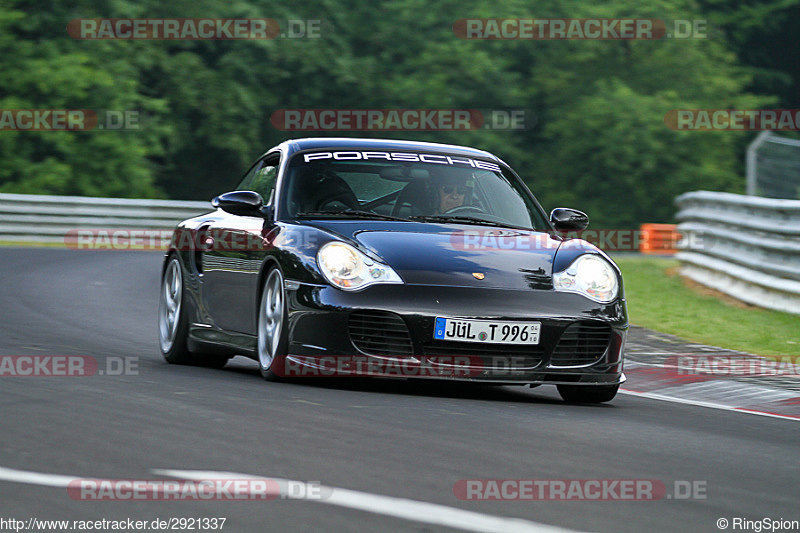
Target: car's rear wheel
[173,323]
[588,393]
[272,331]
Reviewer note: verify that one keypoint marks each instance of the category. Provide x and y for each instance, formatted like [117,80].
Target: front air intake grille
[581,343]
[380,333]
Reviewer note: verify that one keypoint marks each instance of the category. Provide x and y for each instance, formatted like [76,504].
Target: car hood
[455,254]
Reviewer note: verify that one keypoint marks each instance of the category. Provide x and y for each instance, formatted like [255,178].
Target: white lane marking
[429,513]
[744,410]
[416,511]
[35,478]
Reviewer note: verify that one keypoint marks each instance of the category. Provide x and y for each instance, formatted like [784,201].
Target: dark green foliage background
[599,141]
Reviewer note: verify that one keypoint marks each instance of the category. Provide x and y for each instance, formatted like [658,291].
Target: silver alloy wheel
[270,319]
[169,307]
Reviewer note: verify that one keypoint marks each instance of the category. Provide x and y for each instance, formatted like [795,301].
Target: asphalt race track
[382,438]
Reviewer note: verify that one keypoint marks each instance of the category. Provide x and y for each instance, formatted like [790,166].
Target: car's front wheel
[272,333]
[588,393]
[173,322]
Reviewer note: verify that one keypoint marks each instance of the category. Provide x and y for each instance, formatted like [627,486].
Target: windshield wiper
[457,219]
[349,213]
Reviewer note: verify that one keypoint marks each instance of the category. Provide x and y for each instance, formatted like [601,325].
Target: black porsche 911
[365,257]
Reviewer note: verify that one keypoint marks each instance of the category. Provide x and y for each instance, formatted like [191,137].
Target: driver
[450,191]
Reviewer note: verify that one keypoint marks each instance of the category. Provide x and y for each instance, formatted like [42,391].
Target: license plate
[490,331]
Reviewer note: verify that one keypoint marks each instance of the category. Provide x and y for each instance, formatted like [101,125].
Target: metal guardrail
[745,246]
[49,219]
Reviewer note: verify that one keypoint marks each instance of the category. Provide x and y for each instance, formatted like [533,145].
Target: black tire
[172,298]
[271,356]
[588,393]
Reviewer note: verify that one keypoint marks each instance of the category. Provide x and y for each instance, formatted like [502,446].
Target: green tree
[596,137]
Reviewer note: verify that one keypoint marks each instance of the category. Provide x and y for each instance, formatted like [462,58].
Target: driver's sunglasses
[450,189]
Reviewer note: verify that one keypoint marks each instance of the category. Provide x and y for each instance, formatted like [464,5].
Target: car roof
[331,143]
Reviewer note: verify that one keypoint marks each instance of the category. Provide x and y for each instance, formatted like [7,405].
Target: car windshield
[409,186]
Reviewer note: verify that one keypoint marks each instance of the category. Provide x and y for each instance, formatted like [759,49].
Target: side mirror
[243,203]
[564,219]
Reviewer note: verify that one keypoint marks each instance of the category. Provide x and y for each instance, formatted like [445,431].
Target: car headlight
[590,275]
[347,268]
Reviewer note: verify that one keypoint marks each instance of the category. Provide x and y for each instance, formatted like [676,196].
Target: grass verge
[658,298]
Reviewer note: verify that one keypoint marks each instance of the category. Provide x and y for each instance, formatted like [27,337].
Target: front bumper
[320,335]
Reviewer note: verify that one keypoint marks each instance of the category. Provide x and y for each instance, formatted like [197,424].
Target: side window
[261,178]
[248,178]
[264,181]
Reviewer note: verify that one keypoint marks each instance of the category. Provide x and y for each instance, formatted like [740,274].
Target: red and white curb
[662,382]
